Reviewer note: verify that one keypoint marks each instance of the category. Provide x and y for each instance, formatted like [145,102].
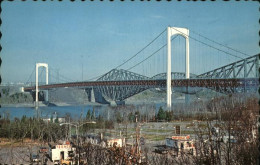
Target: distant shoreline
[44,105]
[17,105]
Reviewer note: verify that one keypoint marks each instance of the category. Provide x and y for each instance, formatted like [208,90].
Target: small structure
[120,142]
[181,143]
[105,142]
[54,118]
[59,119]
[62,152]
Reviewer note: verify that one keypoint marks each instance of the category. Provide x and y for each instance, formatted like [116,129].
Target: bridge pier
[92,96]
[47,95]
[187,96]
[116,103]
[95,96]
[187,99]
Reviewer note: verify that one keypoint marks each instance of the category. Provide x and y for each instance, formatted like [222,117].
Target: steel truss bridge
[117,85]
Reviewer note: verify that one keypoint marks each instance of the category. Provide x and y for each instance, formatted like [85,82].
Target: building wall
[55,153]
[119,142]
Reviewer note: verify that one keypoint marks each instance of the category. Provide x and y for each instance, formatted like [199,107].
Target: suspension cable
[61,76]
[132,56]
[40,75]
[149,56]
[221,44]
[141,49]
[30,76]
[208,44]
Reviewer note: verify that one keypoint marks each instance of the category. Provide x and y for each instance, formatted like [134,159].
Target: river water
[47,111]
[75,111]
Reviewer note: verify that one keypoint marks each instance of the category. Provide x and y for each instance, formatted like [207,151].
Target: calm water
[61,111]
[75,112]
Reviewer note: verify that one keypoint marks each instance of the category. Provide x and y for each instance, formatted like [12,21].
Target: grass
[190,125]
[155,137]
[156,130]
[187,132]
[202,125]
[5,142]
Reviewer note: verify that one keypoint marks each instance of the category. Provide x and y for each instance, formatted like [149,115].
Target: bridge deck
[208,83]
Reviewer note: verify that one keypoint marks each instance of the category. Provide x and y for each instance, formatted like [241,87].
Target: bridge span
[120,90]
[207,83]
[119,84]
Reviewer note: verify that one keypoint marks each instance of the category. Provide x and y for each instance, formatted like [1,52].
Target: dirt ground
[20,152]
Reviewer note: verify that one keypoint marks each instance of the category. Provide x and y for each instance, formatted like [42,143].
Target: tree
[56,120]
[161,114]
[169,115]
[236,120]
[137,115]
[119,118]
[131,117]
[93,115]
[88,116]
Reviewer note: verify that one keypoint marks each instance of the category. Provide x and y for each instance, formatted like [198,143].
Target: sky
[91,38]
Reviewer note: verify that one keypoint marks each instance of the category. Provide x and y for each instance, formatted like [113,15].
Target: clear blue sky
[101,35]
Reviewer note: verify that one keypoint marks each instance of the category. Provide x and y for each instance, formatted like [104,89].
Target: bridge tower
[37,83]
[170,32]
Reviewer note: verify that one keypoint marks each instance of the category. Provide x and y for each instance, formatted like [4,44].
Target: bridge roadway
[207,83]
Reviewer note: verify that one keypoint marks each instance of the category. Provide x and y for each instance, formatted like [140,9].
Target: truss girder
[120,90]
[246,68]
[119,93]
[117,85]
[119,75]
[174,75]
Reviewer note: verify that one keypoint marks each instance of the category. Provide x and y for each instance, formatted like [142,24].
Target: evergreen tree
[88,116]
[169,115]
[93,115]
[56,120]
[119,118]
[23,120]
[131,117]
[161,114]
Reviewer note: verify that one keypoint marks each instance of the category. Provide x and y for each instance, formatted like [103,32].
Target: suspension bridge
[151,68]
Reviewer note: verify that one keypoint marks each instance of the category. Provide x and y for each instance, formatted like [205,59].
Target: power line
[221,44]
